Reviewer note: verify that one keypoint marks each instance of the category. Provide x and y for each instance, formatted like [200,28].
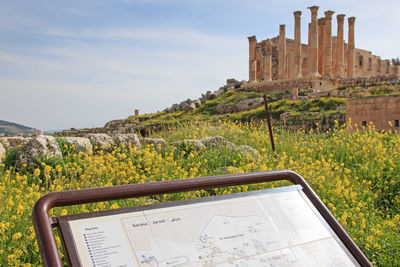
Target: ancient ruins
[326,61]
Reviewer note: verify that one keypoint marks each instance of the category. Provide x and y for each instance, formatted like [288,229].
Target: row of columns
[323,58]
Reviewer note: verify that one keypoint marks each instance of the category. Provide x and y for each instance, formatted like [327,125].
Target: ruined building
[325,62]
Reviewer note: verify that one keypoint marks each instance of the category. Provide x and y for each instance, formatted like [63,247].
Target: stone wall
[316,83]
[378,110]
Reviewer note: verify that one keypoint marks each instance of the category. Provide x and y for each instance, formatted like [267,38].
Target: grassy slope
[277,105]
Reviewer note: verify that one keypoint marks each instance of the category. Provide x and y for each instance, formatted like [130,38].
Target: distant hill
[10,128]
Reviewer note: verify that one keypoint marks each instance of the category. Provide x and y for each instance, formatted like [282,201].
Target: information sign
[275,227]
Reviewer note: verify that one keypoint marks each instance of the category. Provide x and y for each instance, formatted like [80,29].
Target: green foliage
[381,90]
[313,105]
[11,157]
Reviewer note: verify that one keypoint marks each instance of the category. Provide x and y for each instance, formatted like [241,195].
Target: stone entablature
[325,55]
[383,112]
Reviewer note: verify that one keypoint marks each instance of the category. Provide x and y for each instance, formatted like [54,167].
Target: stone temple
[326,61]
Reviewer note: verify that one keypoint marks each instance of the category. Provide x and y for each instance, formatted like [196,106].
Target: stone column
[339,46]
[334,47]
[387,67]
[297,45]
[252,58]
[313,45]
[350,49]
[328,43]
[260,61]
[321,57]
[267,60]
[379,69]
[282,51]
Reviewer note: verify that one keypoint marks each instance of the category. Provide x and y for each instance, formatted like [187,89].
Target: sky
[81,63]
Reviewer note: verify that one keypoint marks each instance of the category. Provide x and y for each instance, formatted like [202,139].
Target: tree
[396,61]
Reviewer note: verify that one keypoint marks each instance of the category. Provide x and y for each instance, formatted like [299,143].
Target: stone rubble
[37,148]
[101,141]
[46,146]
[80,143]
[14,141]
[127,140]
[231,84]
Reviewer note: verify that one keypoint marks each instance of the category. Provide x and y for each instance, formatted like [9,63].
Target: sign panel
[274,227]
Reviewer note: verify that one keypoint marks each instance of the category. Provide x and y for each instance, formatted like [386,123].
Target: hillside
[10,128]
[302,109]
[295,109]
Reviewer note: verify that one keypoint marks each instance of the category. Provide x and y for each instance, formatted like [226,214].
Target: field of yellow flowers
[355,173]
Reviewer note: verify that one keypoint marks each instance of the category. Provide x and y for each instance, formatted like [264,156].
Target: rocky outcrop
[79,143]
[159,144]
[37,148]
[14,141]
[250,103]
[127,140]
[101,141]
[189,144]
[225,108]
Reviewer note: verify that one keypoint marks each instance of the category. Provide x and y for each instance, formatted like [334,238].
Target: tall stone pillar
[387,67]
[321,57]
[333,55]
[351,49]
[340,46]
[313,45]
[260,61]
[379,69]
[252,58]
[297,45]
[282,51]
[328,43]
[267,60]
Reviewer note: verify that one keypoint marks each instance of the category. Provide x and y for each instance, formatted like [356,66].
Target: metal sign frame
[44,224]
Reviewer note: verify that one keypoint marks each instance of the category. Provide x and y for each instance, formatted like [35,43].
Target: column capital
[314,9]
[297,14]
[328,14]
[340,17]
[252,38]
[282,27]
[321,21]
[351,20]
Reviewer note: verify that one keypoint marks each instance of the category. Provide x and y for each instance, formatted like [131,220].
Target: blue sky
[82,63]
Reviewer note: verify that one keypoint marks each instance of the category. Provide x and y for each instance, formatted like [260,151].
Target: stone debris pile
[30,150]
[231,84]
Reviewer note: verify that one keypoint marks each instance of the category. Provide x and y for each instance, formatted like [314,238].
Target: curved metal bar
[43,224]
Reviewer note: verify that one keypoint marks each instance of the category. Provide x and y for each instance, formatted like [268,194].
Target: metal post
[271,137]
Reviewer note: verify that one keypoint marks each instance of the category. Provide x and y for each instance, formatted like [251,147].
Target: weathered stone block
[37,148]
[80,143]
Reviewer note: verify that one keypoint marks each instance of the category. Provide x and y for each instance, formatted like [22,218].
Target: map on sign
[262,228]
